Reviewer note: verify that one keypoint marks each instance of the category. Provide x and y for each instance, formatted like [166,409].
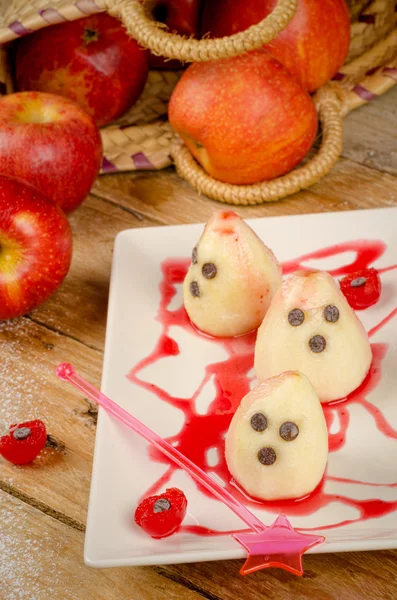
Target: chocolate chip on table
[21,433]
[358,282]
[209,270]
[289,431]
[296,317]
[317,343]
[194,256]
[161,505]
[267,456]
[194,289]
[331,313]
[258,422]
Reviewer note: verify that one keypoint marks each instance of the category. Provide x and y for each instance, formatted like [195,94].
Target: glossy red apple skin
[51,143]
[313,46]
[180,16]
[35,247]
[91,61]
[244,119]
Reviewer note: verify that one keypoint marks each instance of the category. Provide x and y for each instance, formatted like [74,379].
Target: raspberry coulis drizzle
[232,378]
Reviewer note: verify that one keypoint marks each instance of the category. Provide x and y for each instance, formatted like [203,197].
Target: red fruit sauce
[200,432]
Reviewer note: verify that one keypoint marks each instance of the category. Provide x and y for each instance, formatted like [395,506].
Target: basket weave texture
[143,139]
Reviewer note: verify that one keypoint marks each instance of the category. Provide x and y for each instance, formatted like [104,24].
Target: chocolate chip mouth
[317,343]
[194,289]
[209,270]
[21,433]
[161,505]
[289,431]
[296,317]
[267,456]
[358,282]
[331,313]
[258,422]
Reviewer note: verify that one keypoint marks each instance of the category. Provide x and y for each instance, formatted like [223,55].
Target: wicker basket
[143,139]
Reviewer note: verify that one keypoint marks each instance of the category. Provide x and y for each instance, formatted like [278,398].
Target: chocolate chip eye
[194,256]
[267,456]
[161,505]
[331,313]
[258,422]
[289,431]
[296,317]
[358,282]
[317,343]
[194,289]
[21,433]
[209,270]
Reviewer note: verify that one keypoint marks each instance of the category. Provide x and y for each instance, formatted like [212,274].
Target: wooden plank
[29,388]
[42,559]
[59,483]
[164,197]
[345,576]
[79,307]
[371,134]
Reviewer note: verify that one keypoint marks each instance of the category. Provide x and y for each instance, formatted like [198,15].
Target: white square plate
[123,471]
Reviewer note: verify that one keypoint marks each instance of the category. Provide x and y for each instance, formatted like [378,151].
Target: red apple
[91,61]
[313,46]
[180,16]
[50,142]
[35,247]
[245,119]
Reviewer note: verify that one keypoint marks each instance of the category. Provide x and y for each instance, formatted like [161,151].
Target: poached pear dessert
[277,442]
[310,327]
[232,278]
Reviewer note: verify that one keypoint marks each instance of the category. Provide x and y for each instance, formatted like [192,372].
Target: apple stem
[90,35]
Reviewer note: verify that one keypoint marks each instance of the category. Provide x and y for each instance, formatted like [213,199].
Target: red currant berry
[24,442]
[162,515]
[362,288]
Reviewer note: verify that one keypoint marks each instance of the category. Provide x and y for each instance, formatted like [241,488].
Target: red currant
[362,288]
[161,516]
[24,442]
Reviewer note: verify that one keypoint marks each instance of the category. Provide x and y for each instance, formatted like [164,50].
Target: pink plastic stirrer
[276,546]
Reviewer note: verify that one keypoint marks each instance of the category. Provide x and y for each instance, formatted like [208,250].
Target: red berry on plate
[162,515]
[24,442]
[362,288]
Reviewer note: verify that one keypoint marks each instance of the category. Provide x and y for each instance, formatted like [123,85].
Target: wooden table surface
[43,507]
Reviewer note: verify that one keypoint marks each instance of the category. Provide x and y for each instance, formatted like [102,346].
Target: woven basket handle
[331,108]
[153,35]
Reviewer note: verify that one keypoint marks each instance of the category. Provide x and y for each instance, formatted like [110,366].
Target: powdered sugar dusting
[41,559]
[21,390]
[36,551]
[21,570]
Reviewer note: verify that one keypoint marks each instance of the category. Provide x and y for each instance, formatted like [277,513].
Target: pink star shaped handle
[276,546]
[279,545]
